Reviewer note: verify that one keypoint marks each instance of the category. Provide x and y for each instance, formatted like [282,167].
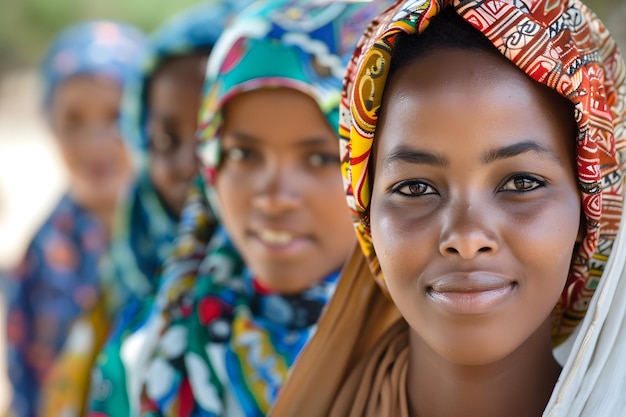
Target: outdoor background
[31,178]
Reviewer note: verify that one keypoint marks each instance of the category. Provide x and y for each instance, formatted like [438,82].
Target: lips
[276,237]
[471,293]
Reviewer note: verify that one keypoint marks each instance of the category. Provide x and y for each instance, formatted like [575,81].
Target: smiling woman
[280,164]
[482,144]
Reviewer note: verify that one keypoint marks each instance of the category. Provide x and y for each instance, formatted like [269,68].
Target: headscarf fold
[560,44]
[238,338]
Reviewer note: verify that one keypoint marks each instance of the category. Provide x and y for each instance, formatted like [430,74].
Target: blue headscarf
[100,47]
[195,29]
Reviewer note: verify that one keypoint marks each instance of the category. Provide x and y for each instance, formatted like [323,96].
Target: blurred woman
[160,119]
[84,74]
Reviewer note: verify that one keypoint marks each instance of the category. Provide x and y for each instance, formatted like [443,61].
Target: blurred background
[31,177]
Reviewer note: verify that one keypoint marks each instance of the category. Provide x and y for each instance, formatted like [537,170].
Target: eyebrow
[301,143]
[413,156]
[519,148]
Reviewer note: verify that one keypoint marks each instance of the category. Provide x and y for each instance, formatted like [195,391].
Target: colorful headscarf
[101,47]
[303,45]
[558,43]
[145,228]
[229,350]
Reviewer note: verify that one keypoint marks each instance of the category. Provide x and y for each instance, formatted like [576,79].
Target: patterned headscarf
[101,47]
[195,29]
[229,350]
[560,44]
[145,228]
[303,45]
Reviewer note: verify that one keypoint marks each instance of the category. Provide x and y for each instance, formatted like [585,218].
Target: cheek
[547,240]
[330,214]
[74,157]
[401,242]
[160,173]
[234,198]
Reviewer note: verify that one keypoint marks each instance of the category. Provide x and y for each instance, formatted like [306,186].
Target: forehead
[86,91]
[268,114]
[478,95]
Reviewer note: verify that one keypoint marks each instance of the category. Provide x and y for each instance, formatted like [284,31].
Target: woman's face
[280,189]
[84,118]
[174,100]
[475,209]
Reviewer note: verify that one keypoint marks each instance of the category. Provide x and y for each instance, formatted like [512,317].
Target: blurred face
[174,100]
[475,208]
[280,189]
[84,118]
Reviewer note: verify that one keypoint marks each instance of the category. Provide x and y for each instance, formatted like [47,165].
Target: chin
[469,346]
[281,282]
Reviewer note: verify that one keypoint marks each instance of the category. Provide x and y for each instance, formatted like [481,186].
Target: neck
[517,385]
[103,210]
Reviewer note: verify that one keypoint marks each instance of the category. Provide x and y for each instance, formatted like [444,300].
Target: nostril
[484,249]
[452,251]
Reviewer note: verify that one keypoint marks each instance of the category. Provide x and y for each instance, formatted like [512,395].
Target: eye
[318,160]
[163,142]
[238,154]
[522,183]
[413,188]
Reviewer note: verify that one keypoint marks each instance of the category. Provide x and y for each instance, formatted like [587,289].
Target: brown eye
[413,188]
[163,143]
[523,183]
[318,160]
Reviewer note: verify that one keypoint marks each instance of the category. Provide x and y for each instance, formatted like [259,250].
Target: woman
[466,178]
[268,153]
[160,117]
[84,74]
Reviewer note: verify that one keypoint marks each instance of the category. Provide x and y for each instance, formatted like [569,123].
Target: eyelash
[427,189]
[237,154]
[538,182]
[315,160]
[318,160]
[173,142]
[397,189]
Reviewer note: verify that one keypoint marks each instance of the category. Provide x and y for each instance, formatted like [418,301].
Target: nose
[276,190]
[102,132]
[185,161]
[468,231]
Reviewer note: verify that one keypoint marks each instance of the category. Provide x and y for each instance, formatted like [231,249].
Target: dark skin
[475,214]
[174,100]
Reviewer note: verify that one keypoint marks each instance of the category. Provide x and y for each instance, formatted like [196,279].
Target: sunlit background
[31,177]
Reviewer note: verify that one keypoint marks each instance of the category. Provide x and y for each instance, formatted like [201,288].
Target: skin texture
[474,217]
[84,119]
[174,100]
[280,189]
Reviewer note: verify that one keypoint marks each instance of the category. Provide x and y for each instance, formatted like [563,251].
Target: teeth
[276,238]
